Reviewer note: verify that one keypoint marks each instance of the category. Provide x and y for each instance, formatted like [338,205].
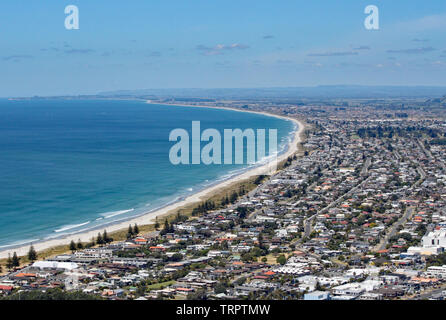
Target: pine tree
[105,237]
[32,254]
[130,232]
[166,228]
[9,264]
[99,239]
[260,239]
[15,260]
[79,245]
[233,197]
[136,229]
[157,224]
[72,246]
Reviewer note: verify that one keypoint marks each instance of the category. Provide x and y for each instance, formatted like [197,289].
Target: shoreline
[149,217]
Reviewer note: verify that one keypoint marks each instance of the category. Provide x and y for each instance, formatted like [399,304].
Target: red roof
[22,275]
[6,288]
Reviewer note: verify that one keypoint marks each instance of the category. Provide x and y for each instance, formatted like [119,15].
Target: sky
[153,44]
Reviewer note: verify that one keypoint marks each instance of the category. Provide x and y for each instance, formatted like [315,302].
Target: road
[429,154]
[365,169]
[422,174]
[429,293]
[394,228]
[308,221]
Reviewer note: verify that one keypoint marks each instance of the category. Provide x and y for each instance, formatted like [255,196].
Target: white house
[436,238]
[317,295]
[68,266]
[435,271]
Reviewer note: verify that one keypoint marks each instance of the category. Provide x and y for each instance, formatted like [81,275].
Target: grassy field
[161,285]
[272,257]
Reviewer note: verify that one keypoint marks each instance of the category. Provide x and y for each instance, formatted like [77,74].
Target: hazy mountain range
[339,91]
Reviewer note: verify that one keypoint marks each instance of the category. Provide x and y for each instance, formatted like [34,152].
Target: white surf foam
[72,226]
[107,215]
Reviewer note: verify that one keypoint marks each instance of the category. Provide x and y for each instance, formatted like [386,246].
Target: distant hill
[338,91]
[440,101]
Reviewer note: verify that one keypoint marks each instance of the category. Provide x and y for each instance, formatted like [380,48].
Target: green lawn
[161,285]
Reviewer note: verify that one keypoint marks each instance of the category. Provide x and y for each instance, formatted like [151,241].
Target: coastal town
[358,213]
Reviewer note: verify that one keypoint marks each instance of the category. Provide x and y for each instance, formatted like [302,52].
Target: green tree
[233,197]
[130,232]
[32,254]
[99,239]
[176,257]
[220,288]
[260,240]
[73,247]
[200,294]
[281,259]
[141,290]
[9,264]
[242,212]
[259,179]
[136,229]
[106,238]
[15,260]
[79,245]
[166,228]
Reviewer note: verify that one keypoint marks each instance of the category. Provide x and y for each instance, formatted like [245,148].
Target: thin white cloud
[17,57]
[432,22]
[413,50]
[333,54]
[220,48]
[362,48]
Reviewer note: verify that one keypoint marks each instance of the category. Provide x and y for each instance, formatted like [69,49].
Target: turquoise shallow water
[71,165]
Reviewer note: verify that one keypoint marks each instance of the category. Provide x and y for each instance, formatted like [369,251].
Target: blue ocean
[72,165]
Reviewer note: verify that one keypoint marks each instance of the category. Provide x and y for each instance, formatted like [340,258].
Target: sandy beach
[149,218]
